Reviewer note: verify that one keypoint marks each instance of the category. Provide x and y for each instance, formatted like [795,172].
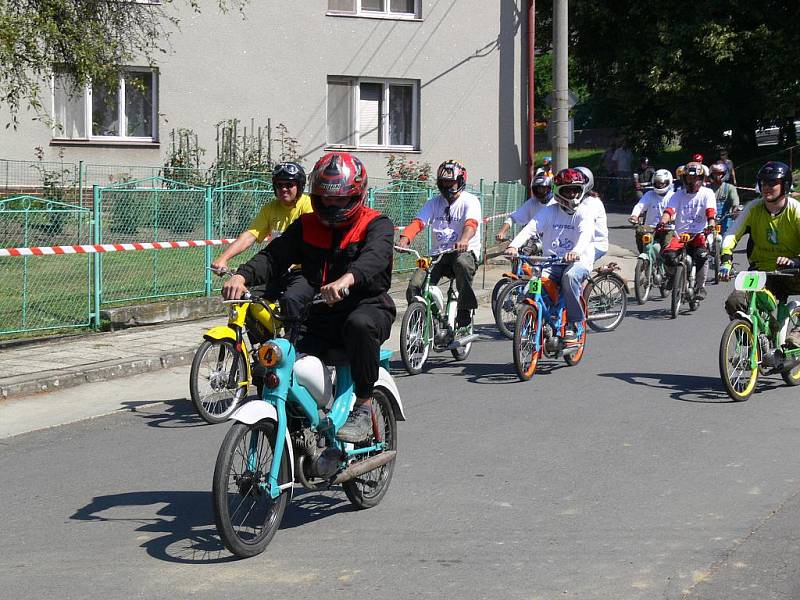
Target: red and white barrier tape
[95,248]
[484,220]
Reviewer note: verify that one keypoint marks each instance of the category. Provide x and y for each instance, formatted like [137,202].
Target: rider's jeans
[462,267]
[572,279]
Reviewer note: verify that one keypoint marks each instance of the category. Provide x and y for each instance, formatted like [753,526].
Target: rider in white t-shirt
[454,216]
[593,202]
[566,230]
[541,196]
[693,209]
[652,204]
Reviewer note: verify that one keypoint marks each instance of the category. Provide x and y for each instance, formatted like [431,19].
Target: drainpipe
[531,96]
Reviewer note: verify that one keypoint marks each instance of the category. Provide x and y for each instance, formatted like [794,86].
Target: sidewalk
[52,364]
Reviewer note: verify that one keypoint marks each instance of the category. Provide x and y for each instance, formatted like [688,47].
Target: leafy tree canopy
[685,68]
[87,39]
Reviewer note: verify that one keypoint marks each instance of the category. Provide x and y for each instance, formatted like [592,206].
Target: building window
[127,112]
[373,113]
[393,9]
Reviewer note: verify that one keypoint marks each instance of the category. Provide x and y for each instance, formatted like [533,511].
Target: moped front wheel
[215,380]
[735,348]
[678,283]
[505,317]
[245,514]
[607,302]
[527,335]
[367,490]
[642,281]
[415,335]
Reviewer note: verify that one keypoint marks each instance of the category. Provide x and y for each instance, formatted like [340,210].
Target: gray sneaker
[358,426]
[793,338]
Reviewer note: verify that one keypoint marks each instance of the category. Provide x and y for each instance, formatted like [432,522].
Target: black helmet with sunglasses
[776,171]
[289,171]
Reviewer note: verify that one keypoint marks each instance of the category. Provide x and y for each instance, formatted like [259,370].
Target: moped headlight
[647,238]
[269,354]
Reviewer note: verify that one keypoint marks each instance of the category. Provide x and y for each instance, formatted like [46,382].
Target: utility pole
[531,94]
[560,85]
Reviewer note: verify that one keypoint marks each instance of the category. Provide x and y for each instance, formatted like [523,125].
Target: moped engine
[315,459]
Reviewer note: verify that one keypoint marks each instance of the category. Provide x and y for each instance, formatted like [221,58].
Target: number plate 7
[750,281]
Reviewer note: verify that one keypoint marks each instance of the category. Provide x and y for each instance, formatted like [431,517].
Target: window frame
[374,14]
[86,92]
[386,83]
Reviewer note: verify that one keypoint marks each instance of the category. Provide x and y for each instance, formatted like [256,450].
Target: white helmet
[589,176]
[662,181]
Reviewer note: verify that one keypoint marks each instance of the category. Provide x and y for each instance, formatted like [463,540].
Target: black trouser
[293,291]
[781,287]
[461,267]
[360,331]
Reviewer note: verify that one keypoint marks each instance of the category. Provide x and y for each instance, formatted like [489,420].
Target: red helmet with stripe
[338,175]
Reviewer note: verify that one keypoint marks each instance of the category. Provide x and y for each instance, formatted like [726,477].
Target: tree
[90,40]
[687,68]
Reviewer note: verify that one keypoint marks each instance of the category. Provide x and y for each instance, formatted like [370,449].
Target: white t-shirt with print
[595,206]
[690,209]
[447,226]
[653,204]
[527,211]
[562,232]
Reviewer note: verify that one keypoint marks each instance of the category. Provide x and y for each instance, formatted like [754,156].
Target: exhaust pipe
[461,342]
[601,316]
[364,466]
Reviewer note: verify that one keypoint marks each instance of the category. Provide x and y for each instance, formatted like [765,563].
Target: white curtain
[70,108]
[341,127]
[369,114]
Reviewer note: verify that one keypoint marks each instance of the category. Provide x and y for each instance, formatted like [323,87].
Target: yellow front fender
[221,332]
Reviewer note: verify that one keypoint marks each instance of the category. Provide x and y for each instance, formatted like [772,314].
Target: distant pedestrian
[643,177]
[730,176]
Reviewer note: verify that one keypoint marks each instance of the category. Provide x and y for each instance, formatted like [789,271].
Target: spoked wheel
[215,380]
[527,336]
[792,377]
[735,348]
[663,273]
[642,282]
[498,287]
[678,283]
[246,516]
[462,352]
[717,257]
[415,336]
[368,489]
[507,304]
[573,357]
[607,302]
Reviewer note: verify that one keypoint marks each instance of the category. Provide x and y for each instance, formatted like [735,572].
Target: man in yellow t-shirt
[288,182]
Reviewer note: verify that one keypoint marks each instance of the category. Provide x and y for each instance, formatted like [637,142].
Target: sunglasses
[285,184]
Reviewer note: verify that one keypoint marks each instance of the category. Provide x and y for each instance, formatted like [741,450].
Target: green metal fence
[102,204]
[44,292]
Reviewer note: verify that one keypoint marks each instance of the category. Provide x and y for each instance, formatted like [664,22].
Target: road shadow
[180,524]
[176,413]
[686,388]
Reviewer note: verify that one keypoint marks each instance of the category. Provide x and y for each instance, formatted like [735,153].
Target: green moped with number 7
[753,343]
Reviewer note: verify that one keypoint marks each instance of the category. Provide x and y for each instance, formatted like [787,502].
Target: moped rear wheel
[462,352]
[717,257]
[217,371]
[527,335]
[678,283]
[571,357]
[642,281]
[367,490]
[792,377]
[507,303]
[735,348]
[414,342]
[607,302]
[246,516]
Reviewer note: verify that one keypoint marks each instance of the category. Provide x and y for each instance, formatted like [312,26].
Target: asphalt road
[630,475]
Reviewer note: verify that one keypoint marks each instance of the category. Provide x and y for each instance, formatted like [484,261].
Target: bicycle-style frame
[290,392]
[759,314]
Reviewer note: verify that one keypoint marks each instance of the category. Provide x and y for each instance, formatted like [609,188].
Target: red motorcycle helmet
[338,175]
[575,181]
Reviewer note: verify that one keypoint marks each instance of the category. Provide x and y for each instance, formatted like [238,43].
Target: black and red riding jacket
[364,248]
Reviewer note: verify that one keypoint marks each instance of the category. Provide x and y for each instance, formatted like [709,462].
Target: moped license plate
[535,286]
[750,281]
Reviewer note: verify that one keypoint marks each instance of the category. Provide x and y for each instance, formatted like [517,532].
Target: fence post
[209,235]
[96,274]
